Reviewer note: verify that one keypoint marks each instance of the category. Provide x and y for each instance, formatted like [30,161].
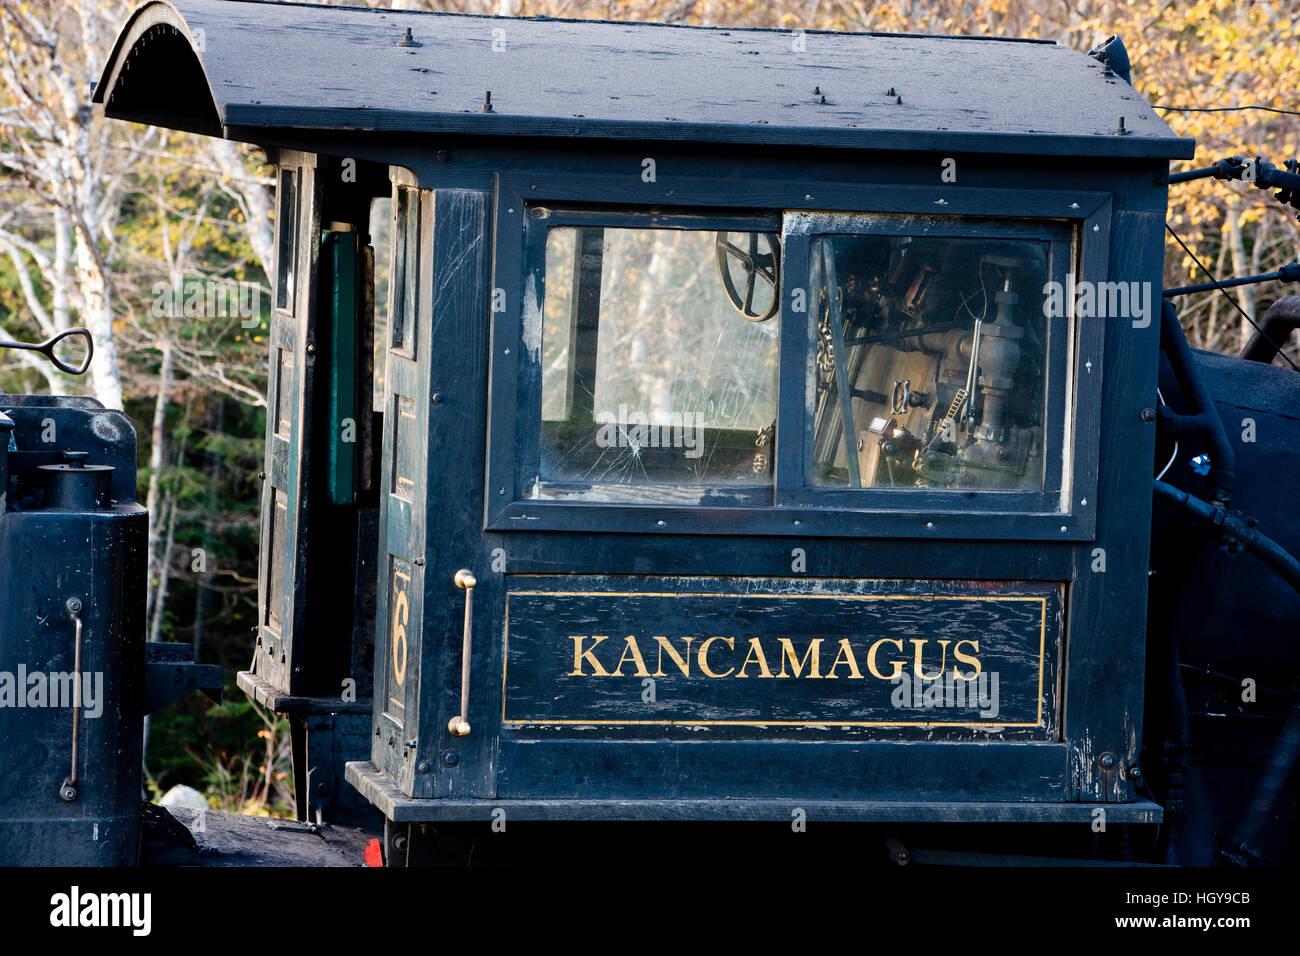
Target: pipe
[1288,273]
[1263,547]
[1203,424]
[1274,330]
[1286,750]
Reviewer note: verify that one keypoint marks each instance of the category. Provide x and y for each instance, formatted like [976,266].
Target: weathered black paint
[578,652]
[452,412]
[94,556]
[292,66]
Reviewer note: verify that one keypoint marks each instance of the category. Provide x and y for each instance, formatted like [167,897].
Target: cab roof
[241,68]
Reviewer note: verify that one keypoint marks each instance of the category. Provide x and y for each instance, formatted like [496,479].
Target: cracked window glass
[930,364]
[659,356]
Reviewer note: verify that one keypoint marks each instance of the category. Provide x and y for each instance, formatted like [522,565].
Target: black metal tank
[72,597]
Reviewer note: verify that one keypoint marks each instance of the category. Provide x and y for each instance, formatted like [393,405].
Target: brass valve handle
[459,725]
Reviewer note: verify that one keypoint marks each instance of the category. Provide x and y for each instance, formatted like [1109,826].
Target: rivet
[1148,414]
[929,524]
[1106,760]
[436,398]
[311,348]
[661,522]
[451,758]
[1064,529]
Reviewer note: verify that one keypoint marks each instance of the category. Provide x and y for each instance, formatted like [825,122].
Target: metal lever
[46,348]
[68,789]
[459,725]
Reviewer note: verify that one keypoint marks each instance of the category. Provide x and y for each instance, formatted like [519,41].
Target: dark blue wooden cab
[693,423]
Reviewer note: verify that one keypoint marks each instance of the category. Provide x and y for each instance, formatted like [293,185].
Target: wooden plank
[1107,647]
[401,809]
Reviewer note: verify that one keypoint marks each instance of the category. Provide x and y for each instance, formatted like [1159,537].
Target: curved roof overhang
[154,75]
[286,72]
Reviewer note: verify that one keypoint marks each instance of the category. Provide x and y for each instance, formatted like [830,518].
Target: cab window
[931,362]
[653,371]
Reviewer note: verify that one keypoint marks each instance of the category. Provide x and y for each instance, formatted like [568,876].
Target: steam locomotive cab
[774,456]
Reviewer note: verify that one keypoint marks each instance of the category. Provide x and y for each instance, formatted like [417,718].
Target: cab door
[431,524]
[282,605]
[403,492]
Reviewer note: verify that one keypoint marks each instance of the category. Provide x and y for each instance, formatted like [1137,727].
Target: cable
[1224,109]
[1169,464]
[1235,305]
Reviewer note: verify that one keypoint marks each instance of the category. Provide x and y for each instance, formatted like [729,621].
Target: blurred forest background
[94,214]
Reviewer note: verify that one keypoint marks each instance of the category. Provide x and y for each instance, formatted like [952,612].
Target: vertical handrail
[68,790]
[459,725]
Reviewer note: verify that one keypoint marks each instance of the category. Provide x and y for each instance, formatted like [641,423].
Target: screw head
[1148,414]
[451,758]
[1107,761]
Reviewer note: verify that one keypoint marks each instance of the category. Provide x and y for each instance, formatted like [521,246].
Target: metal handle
[46,348]
[459,725]
[68,789]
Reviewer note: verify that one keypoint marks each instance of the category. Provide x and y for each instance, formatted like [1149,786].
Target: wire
[1169,464]
[1235,305]
[1224,109]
